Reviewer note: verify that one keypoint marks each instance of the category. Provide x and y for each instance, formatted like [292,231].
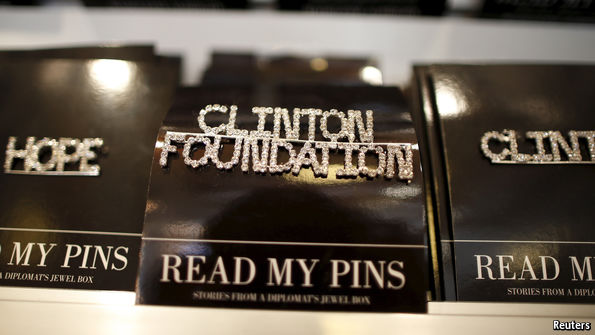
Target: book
[560,10]
[323,211]
[508,158]
[125,52]
[245,69]
[400,7]
[77,136]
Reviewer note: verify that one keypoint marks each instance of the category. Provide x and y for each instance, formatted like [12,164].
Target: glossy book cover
[511,150]
[308,198]
[77,137]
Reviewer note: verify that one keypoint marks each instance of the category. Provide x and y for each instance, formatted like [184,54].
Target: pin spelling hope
[82,154]
[263,146]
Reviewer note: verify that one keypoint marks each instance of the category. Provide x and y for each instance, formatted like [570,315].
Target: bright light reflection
[318,64]
[111,74]
[116,298]
[342,325]
[371,75]
[401,192]
[306,175]
[450,102]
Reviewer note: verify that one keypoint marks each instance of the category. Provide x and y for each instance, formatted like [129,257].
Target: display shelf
[36,311]
[395,42]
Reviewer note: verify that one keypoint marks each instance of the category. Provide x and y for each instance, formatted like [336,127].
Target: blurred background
[561,10]
[383,38]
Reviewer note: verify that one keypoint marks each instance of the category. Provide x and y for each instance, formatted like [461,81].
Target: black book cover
[510,154]
[235,69]
[77,137]
[243,236]
[208,4]
[125,52]
[414,7]
[554,10]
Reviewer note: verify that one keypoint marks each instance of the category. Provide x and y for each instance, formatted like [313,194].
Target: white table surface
[59,311]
